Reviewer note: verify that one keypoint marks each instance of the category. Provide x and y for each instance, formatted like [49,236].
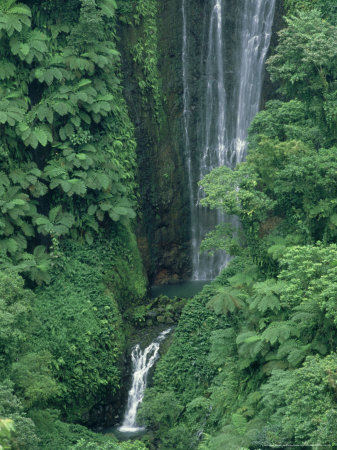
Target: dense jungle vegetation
[252,363]
[69,260]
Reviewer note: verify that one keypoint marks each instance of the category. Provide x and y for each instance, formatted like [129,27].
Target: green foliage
[222,238]
[67,179]
[280,322]
[233,191]
[32,376]
[22,429]
[269,380]
[82,335]
[252,360]
[302,402]
[64,436]
[225,300]
[187,355]
[13,17]
[56,224]
[152,413]
[194,369]
[297,201]
[285,188]
[326,7]
[305,65]
[142,14]
[15,309]
[17,212]
[6,430]
[67,141]
[72,359]
[125,276]
[128,445]
[304,68]
[227,439]
[286,121]
[66,354]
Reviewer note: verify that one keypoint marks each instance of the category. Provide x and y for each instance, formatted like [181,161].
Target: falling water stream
[142,361]
[232,63]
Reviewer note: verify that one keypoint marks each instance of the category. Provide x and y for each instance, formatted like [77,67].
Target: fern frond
[248,337]
[225,301]
[279,332]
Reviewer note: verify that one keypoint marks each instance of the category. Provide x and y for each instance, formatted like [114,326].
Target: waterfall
[142,361]
[237,36]
[257,20]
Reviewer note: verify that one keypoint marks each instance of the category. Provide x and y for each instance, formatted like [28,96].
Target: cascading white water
[142,361]
[257,20]
[232,73]
[213,152]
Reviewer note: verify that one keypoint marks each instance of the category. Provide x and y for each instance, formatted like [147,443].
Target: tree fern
[245,278]
[267,296]
[57,223]
[226,300]
[61,108]
[279,332]
[272,365]
[222,346]
[251,346]
[297,355]
[239,423]
[248,337]
[108,7]
[16,209]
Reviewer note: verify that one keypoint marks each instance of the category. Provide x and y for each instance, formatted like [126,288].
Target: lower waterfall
[142,361]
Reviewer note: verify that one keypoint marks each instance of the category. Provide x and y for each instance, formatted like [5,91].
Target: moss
[124,274]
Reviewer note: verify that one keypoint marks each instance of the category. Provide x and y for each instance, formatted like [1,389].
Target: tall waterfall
[142,361]
[236,40]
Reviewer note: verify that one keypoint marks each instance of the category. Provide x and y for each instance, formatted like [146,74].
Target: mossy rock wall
[163,231]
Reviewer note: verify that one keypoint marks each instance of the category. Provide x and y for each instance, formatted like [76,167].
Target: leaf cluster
[67,141]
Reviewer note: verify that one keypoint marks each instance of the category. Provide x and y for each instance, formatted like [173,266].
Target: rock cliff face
[164,225]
